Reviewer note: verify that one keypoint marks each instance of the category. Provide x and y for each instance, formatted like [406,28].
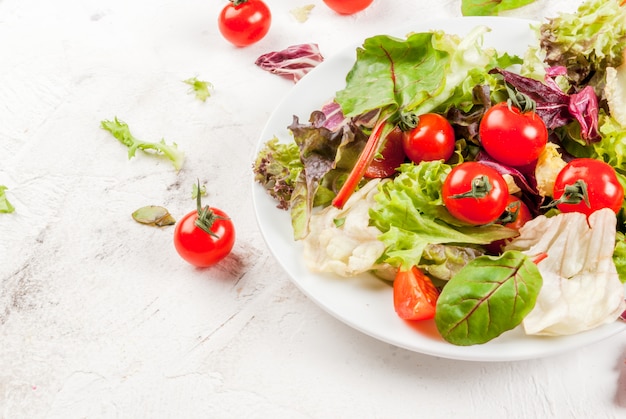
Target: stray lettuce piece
[586,42]
[121,132]
[409,211]
[5,205]
[277,168]
[195,190]
[302,13]
[153,215]
[489,296]
[201,88]
[490,7]
[293,63]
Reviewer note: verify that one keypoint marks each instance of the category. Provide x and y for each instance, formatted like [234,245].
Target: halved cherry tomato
[348,7]
[414,295]
[475,193]
[205,236]
[244,22]
[512,137]
[432,139]
[392,156]
[587,185]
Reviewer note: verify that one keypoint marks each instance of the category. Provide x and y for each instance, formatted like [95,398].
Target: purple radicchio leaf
[293,63]
[556,107]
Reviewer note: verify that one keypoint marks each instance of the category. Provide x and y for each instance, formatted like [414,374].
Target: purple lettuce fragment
[293,63]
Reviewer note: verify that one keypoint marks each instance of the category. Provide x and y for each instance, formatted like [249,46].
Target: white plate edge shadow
[365,303]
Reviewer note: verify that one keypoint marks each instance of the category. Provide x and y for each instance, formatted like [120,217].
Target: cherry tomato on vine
[587,185]
[512,137]
[431,139]
[244,22]
[414,295]
[205,236]
[475,193]
[391,157]
[348,7]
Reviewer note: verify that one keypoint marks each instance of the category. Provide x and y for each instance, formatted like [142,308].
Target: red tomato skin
[414,295]
[432,139]
[392,157]
[523,216]
[200,248]
[246,23]
[348,7]
[603,187]
[511,137]
[472,210]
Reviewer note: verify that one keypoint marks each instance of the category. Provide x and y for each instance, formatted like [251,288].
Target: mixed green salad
[511,223]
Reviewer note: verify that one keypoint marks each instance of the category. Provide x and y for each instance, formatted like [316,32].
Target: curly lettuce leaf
[277,168]
[410,213]
[425,72]
[490,7]
[586,42]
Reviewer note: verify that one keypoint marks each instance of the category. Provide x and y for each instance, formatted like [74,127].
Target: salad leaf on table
[5,205]
[293,62]
[120,130]
[201,88]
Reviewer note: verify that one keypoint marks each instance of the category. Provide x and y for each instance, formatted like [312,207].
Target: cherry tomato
[244,22]
[587,185]
[431,139]
[475,193]
[512,137]
[348,7]
[392,156]
[205,236]
[414,295]
[516,214]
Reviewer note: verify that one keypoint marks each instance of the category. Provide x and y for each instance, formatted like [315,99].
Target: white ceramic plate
[365,303]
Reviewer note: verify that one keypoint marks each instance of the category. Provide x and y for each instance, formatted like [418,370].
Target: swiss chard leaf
[489,296]
[490,7]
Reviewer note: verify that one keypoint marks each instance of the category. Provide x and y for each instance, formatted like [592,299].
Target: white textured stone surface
[99,318]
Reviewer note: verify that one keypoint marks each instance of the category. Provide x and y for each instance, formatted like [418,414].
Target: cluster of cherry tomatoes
[244,22]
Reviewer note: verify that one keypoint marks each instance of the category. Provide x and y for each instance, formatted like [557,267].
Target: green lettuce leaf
[410,213]
[5,205]
[490,7]
[425,72]
[489,296]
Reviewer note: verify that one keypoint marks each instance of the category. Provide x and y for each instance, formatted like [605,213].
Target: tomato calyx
[481,186]
[206,216]
[572,194]
[511,213]
[238,2]
[520,100]
[408,121]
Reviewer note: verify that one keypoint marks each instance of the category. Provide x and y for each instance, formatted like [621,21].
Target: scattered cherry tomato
[414,295]
[587,185]
[392,156]
[512,137]
[205,236]
[348,7]
[475,193]
[431,139]
[244,22]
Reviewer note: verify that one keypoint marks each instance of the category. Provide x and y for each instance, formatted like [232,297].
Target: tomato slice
[414,295]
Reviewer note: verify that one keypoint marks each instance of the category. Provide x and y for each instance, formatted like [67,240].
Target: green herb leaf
[5,205]
[490,7]
[121,132]
[201,88]
[195,190]
[489,296]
